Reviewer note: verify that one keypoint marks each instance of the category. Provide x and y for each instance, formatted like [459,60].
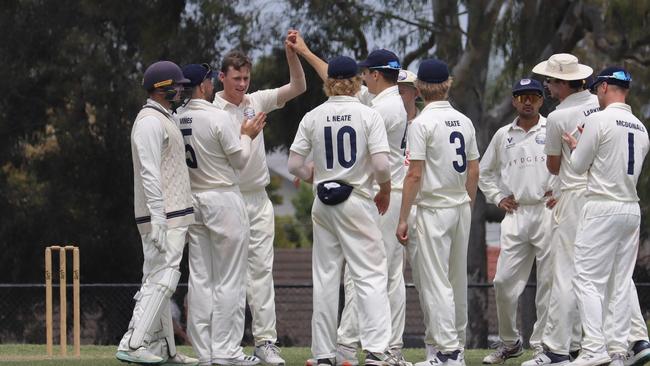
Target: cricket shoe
[548,358]
[269,354]
[504,352]
[587,358]
[618,359]
[140,355]
[638,354]
[241,360]
[344,356]
[431,351]
[456,358]
[387,358]
[181,359]
[399,356]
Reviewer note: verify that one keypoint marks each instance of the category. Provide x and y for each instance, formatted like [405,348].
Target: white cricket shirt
[390,106]
[210,135]
[515,164]
[445,139]
[611,150]
[343,134]
[255,175]
[572,112]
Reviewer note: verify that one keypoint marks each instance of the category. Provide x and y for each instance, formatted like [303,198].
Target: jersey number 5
[340,151]
[190,155]
[462,166]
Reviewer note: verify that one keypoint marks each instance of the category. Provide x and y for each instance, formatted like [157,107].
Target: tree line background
[72,70]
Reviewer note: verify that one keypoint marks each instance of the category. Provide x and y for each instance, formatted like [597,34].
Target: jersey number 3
[462,165]
[340,150]
[190,155]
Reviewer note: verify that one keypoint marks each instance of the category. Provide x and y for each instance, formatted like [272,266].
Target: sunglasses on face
[532,98]
[552,80]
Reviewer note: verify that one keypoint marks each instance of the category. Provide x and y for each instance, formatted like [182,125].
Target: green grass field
[29,354]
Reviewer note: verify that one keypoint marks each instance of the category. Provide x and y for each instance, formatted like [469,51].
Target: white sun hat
[406,77]
[563,66]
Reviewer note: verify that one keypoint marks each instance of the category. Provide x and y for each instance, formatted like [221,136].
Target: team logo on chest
[249,112]
[540,138]
[510,142]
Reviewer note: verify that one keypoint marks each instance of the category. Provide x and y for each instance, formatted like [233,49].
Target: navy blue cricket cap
[614,75]
[527,85]
[342,67]
[433,71]
[381,59]
[197,73]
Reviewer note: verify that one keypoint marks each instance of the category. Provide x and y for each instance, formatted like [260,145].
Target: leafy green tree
[72,75]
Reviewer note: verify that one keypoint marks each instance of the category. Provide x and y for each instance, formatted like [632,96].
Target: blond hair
[434,91]
[349,87]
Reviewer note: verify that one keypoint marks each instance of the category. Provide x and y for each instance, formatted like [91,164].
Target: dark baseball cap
[433,71]
[197,73]
[527,85]
[613,75]
[381,59]
[342,67]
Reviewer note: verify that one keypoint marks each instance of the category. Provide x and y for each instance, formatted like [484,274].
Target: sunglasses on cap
[209,68]
[533,98]
[392,65]
[618,75]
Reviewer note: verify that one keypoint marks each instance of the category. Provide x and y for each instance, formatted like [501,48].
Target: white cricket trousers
[562,332]
[260,292]
[443,235]
[154,262]
[348,331]
[348,233]
[605,255]
[525,238]
[218,247]
[413,255]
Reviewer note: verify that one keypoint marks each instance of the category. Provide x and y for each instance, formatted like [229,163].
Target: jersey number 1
[630,152]
[340,151]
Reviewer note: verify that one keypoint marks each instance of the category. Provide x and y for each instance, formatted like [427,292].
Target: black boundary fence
[106,310]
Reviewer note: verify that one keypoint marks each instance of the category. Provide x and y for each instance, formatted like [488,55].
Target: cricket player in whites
[254,177]
[565,79]
[216,148]
[409,93]
[349,146]
[380,72]
[611,151]
[514,177]
[163,212]
[443,173]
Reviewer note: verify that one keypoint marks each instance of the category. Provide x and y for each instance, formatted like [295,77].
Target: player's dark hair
[576,84]
[389,75]
[237,59]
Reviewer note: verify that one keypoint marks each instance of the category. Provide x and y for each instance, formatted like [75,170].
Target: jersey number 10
[340,151]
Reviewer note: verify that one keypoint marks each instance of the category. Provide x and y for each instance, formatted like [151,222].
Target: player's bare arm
[298,44]
[553,163]
[297,84]
[299,168]
[472,180]
[409,191]
[381,169]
